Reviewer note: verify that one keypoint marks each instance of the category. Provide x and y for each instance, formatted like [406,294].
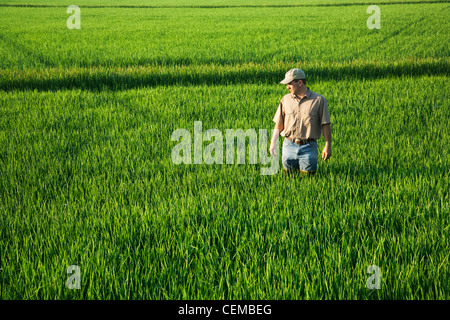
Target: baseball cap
[293,74]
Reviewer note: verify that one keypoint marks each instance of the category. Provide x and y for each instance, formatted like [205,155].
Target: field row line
[344,4]
[126,77]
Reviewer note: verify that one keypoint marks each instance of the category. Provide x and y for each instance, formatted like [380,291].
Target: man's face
[294,86]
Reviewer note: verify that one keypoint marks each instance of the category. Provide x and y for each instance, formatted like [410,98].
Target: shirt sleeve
[324,113]
[279,115]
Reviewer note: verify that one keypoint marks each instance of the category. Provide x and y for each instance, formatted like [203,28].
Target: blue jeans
[303,157]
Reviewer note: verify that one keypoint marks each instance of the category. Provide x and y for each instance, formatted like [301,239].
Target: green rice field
[87,178]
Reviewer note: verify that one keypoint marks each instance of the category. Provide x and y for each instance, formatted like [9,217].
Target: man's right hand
[273,150]
[274,140]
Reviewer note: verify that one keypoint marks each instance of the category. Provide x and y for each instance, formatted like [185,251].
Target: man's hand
[273,141]
[326,153]
[273,149]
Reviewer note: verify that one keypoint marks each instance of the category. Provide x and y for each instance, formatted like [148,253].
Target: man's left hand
[326,153]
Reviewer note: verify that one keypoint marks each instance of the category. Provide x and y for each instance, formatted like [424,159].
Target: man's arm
[273,142]
[326,153]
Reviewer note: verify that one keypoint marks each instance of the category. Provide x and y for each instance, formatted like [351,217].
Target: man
[300,118]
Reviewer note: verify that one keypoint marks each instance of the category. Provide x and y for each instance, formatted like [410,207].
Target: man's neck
[302,93]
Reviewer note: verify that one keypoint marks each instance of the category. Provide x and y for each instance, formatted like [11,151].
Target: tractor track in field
[120,78]
[345,4]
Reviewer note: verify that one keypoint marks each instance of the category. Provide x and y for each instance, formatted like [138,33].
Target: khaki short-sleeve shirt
[302,118]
